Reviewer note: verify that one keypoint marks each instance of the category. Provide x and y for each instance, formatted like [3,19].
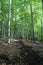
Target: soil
[21,52]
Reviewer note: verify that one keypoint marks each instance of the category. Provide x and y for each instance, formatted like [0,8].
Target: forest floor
[22,51]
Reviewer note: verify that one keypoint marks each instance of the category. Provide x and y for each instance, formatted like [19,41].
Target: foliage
[21,23]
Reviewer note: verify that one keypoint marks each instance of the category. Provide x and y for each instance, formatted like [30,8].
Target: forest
[21,32]
[21,18]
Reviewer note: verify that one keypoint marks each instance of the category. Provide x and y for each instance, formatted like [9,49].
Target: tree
[42,23]
[9,19]
[32,24]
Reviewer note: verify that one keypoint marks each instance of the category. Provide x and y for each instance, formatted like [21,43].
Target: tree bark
[42,23]
[9,21]
[32,25]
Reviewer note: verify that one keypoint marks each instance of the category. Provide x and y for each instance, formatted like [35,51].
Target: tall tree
[42,22]
[32,23]
[0,22]
[2,19]
[9,21]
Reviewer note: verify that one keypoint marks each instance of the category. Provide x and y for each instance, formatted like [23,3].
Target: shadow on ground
[27,56]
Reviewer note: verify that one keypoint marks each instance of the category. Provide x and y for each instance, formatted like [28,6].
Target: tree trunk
[2,22]
[41,30]
[42,23]
[9,20]
[32,25]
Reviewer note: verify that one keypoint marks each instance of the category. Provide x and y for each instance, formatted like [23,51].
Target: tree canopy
[26,19]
